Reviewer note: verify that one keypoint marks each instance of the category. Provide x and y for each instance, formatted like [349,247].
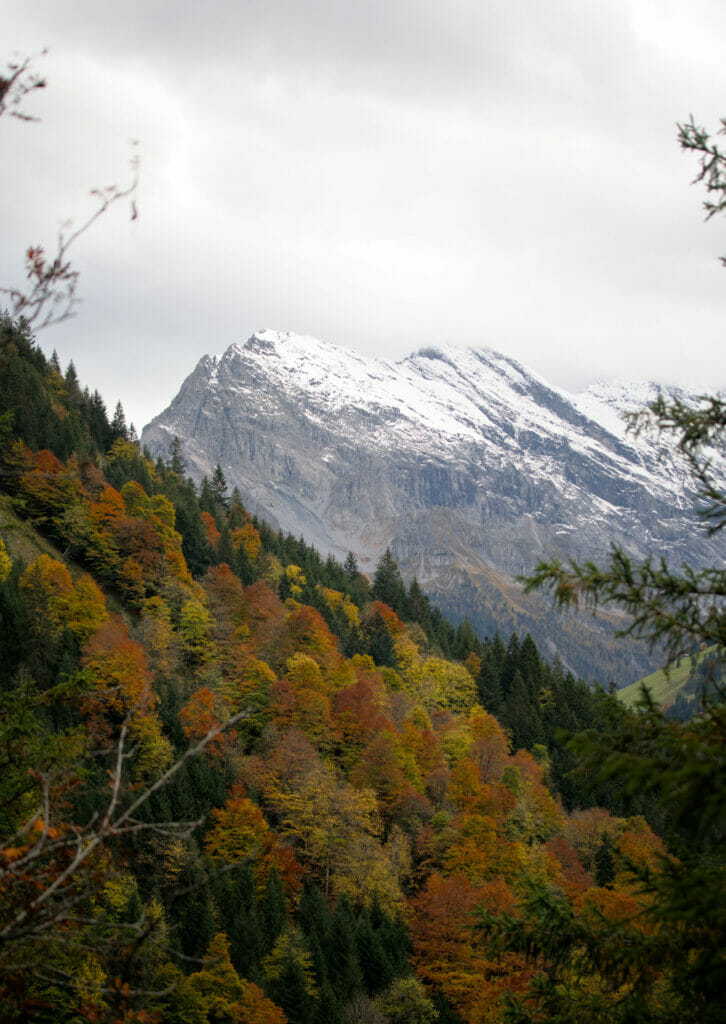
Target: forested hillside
[240,782]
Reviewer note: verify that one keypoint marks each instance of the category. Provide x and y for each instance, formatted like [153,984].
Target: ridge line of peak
[500,363]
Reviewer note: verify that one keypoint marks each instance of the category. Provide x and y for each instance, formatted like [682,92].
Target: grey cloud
[383,174]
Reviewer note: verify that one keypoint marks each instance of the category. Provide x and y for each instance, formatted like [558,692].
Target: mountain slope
[468,465]
[243,788]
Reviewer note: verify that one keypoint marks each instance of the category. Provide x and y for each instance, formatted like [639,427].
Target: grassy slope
[664,686]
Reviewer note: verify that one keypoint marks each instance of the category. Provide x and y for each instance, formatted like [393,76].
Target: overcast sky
[382,174]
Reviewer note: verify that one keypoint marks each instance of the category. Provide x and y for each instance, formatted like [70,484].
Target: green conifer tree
[327,1010]
[394,938]
[197,926]
[379,642]
[206,496]
[604,862]
[388,585]
[218,486]
[313,915]
[377,972]
[290,990]
[350,566]
[119,430]
[419,607]
[273,911]
[176,457]
[344,971]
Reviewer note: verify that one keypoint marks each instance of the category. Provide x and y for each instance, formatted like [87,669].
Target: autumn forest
[242,782]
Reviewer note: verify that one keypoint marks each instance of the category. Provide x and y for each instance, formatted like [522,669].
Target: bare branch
[51,295]
[46,909]
[17,83]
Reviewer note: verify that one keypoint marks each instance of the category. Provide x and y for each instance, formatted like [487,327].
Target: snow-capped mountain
[470,466]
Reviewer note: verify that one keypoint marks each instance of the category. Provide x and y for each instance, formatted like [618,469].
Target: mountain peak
[463,461]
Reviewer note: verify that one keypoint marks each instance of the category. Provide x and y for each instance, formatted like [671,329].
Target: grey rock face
[469,466]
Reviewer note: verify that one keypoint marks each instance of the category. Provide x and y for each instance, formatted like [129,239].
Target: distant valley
[467,464]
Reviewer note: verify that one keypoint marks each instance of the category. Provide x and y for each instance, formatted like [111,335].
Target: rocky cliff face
[468,465]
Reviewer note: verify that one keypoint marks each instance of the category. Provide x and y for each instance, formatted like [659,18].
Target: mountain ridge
[463,461]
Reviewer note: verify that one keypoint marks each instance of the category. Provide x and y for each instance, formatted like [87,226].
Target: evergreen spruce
[244,929]
[237,514]
[377,972]
[289,990]
[350,566]
[313,915]
[604,862]
[176,457]
[119,430]
[218,487]
[379,642]
[466,641]
[197,925]
[393,937]
[206,497]
[344,971]
[418,607]
[328,1009]
[273,911]
[388,585]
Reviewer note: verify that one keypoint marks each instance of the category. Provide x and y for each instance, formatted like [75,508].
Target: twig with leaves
[50,296]
[712,170]
[17,83]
